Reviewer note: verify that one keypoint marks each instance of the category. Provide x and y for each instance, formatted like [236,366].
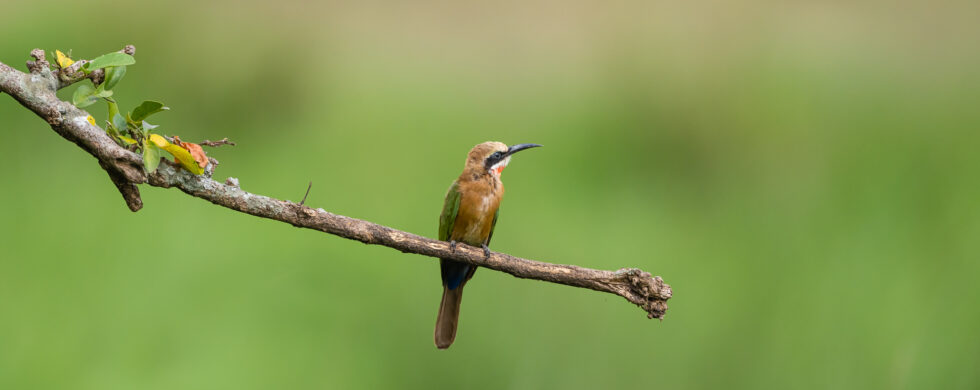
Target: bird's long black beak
[517,148]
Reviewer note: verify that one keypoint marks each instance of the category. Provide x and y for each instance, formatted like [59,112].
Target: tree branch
[36,91]
[217,143]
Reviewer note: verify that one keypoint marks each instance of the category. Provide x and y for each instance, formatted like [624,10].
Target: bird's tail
[448,316]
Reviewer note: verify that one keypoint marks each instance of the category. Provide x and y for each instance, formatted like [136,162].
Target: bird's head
[492,157]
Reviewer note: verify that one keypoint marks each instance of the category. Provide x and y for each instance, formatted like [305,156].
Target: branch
[36,91]
[217,143]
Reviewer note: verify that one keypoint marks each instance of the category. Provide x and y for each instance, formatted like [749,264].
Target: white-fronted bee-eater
[469,215]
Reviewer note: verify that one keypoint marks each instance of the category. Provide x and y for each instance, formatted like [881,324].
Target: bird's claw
[452,246]
[486,251]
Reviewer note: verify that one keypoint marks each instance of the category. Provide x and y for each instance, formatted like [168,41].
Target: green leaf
[113,108]
[111,128]
[131,122]
[111,59]
[127,140]
[83,96]
[151,156]
[119,121]
[112,76]
[146,109]
[99,92]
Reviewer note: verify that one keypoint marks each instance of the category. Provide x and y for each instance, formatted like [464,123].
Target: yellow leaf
[63,60]
[181,155]
[159,140]
[91,120]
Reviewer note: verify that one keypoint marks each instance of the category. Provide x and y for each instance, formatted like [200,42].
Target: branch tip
[223,141]
[129,191]
[39,64]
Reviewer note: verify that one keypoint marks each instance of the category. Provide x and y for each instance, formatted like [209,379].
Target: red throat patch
[500,169]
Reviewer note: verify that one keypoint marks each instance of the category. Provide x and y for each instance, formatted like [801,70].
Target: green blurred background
[804,175]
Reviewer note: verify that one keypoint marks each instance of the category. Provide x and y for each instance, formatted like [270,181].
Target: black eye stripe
[493,158]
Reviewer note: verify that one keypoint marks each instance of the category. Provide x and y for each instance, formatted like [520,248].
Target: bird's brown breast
[479,203]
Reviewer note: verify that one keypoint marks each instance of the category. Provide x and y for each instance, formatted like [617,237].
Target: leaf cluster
[130,129]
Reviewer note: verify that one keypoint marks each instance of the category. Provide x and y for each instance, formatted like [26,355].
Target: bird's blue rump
[454,273]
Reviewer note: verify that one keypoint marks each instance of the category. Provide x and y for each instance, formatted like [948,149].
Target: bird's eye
[493,158]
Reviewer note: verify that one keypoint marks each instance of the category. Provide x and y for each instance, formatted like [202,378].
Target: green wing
[492,226]
[449,210]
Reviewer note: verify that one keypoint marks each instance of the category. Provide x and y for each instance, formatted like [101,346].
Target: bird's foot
[486,251]
[452,246]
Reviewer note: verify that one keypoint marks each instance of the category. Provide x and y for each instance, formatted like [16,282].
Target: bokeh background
[805,176]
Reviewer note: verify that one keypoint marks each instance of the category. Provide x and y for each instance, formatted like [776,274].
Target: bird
[469,215]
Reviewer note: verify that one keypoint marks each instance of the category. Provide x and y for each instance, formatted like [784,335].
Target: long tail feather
[448,317]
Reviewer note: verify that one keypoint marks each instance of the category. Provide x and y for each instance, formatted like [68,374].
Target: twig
[307,193]
[125,168]
[215,144]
